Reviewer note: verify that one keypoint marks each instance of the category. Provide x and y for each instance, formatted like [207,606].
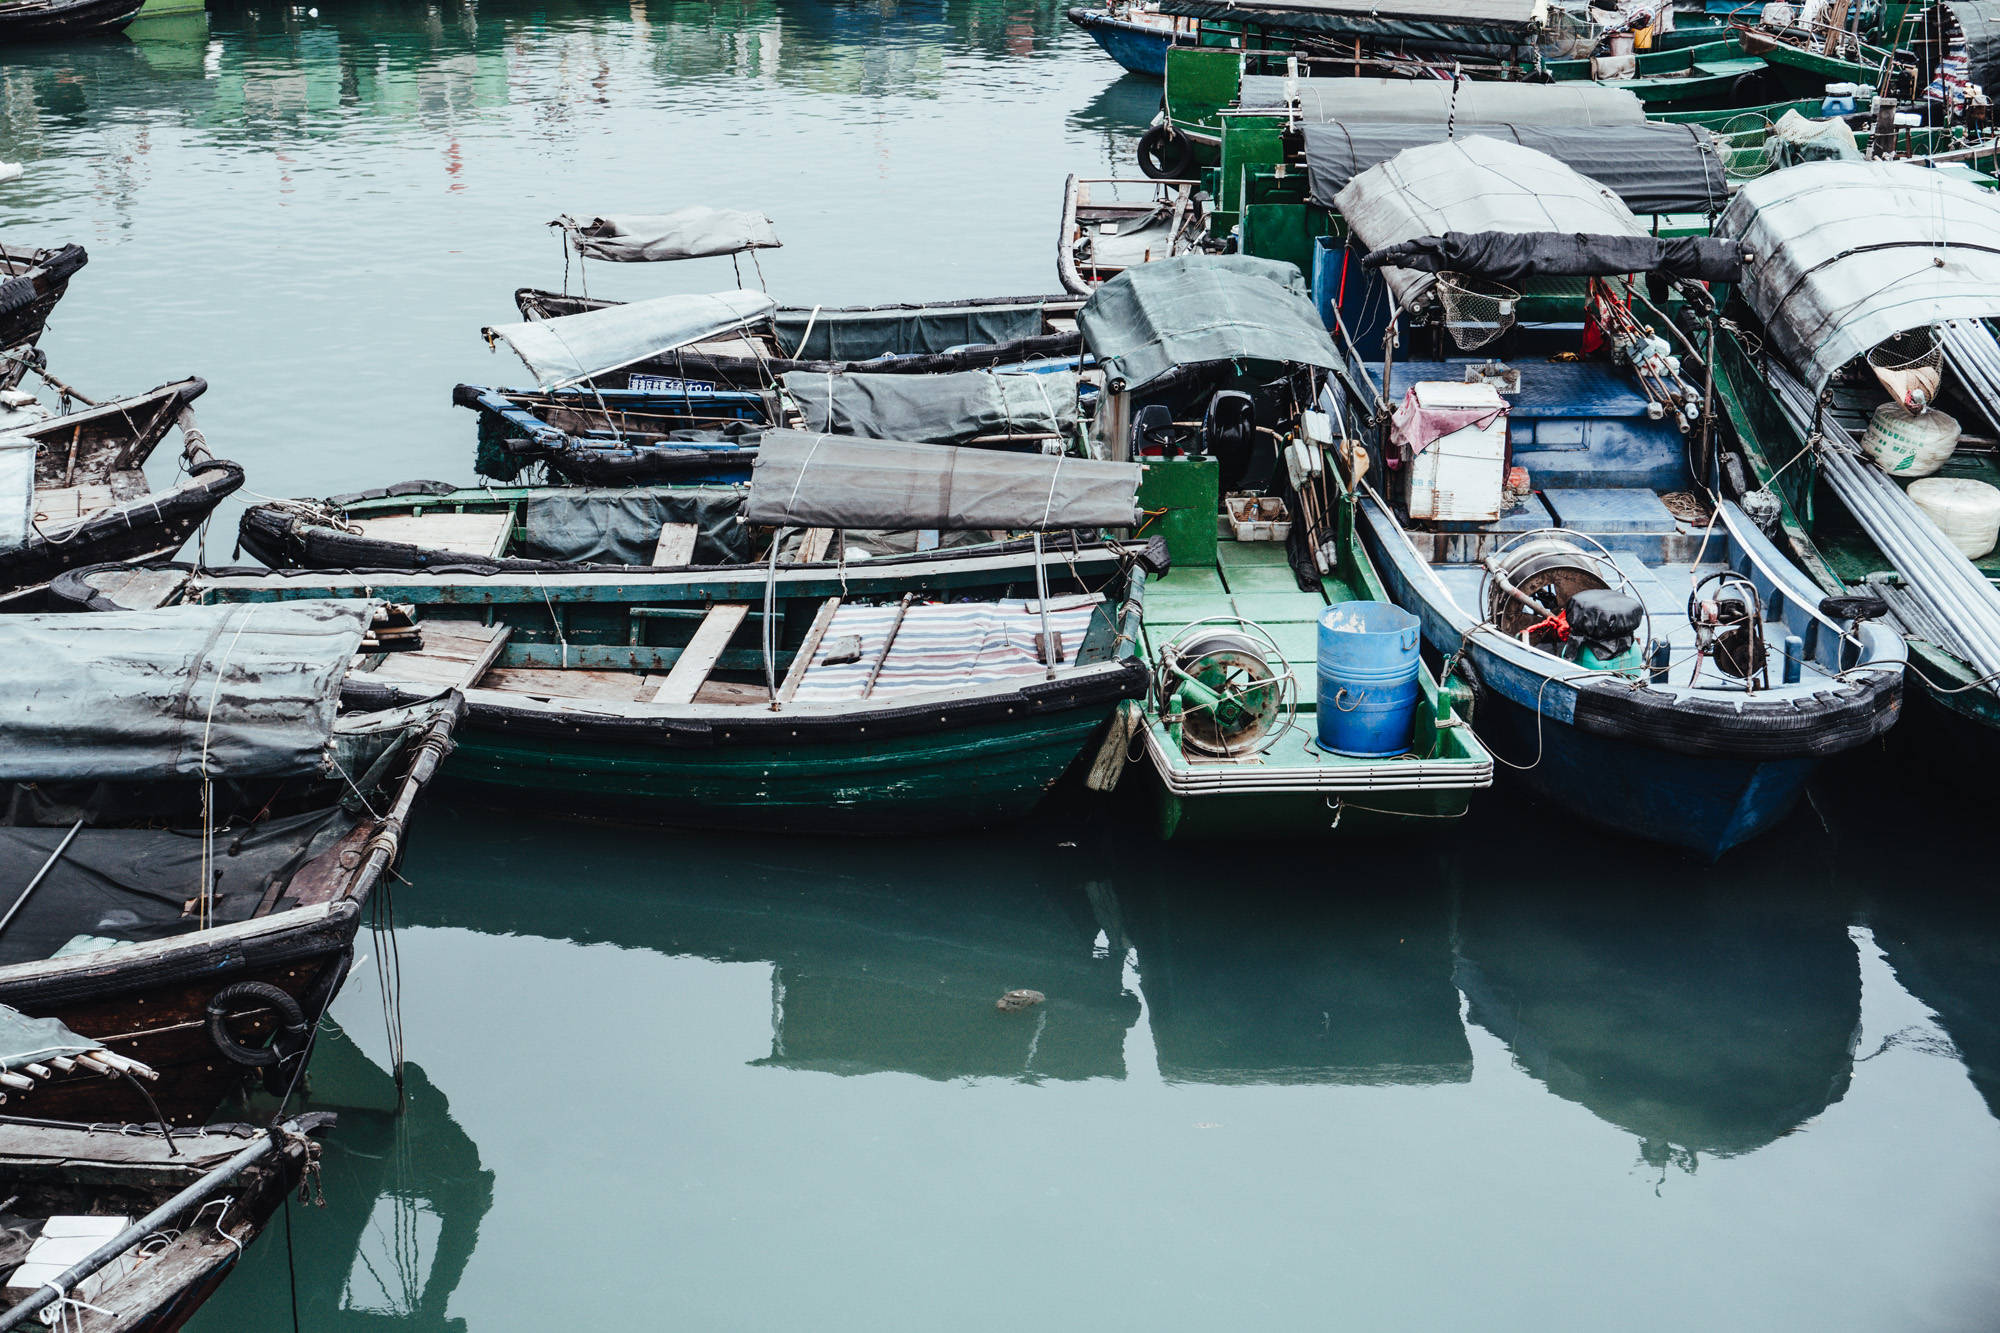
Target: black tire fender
[1165,153]
[291,1036]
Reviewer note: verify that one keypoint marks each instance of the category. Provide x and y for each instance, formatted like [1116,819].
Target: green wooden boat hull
[1305,814]
[966,778]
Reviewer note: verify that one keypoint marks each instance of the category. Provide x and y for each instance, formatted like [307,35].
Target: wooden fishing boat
[119,1228]
[617,437]
[925,693]
[1108,225]
[1797,387]
[196,833]
[64,20]
[73,489]
[431,525]
[32,280]
[1260,551]
[1136,35]
[898,338]
[1640,649]
[928,337]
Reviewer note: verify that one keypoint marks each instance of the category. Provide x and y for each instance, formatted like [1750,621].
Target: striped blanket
[943,646]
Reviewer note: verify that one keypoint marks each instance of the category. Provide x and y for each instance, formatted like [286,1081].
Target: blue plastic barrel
[1367,679]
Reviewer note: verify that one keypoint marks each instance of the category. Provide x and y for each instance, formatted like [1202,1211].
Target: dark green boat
[856,697]
[1792,374]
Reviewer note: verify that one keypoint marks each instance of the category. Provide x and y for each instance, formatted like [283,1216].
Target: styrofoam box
[1459,477]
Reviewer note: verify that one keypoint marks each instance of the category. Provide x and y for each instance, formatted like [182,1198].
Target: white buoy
[1966,511]
[10,171]
[1909,444]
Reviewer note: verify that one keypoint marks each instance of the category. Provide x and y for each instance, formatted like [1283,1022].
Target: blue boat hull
[1139,48]
[1707,803]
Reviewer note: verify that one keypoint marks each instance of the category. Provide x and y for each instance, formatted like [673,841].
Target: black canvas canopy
[1518,256]
[1480,22]
[1653,168]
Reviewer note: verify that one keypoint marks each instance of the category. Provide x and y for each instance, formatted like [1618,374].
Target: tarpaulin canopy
[836,481]
[1653,168]
[1407,101]
[32,1041]
[1847,254]
[620,525]
[232,691]
[1507,22]
[1517,256]
[696,232]
[573,348]
[915,330]
[1202,308]
[1979,24]
[1473,184]
[940,409]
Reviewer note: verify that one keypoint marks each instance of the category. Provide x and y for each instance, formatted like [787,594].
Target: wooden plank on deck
[704,650]
[676,544]
[467,534]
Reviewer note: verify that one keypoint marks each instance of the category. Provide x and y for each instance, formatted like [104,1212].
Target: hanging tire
[1165,154]
[291,1035]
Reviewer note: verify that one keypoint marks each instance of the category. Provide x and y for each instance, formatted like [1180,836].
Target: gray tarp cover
[834,481]
[573,348]
[938,409]
[1654,168]
[686,233]
[1203,308]
[240,691]
[1473,184]
[1979,22]
[28,1041]
[620,525]
[862,335]
[1850,253]
[1517,256]
[1472,21]
[1479,103]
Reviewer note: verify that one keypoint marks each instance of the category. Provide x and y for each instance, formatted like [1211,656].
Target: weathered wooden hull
[35,280]
[963,778]
[59,22]
[1305,814]
[152,529]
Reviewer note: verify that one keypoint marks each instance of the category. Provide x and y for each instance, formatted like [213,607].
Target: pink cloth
[1420,426]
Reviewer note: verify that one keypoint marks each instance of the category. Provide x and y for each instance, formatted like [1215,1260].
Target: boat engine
[1728,619]
[1225,689]
[1551,593]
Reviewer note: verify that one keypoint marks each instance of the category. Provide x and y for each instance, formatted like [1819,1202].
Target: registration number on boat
[668,384]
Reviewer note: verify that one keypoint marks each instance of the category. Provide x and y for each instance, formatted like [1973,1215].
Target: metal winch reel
[1531,580]
[1225,688]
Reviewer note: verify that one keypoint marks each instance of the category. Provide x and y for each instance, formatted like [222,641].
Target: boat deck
[1254,581]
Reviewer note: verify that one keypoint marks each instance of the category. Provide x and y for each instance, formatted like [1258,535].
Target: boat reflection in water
[405,1195]
[1706,1011]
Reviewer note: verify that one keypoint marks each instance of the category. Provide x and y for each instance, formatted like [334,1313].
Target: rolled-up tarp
[573,348]
[249,690]
[1473,184]
[1653,168]
[1846,254]
[696,232]
[941,409]
[1476,104]
[1197,309]
[809,479]
[1516,256]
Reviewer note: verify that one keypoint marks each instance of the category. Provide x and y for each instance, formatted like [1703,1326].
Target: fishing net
[1910,366]
[1475,311]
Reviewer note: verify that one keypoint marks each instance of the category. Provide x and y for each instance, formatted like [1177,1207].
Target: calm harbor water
[1507,1076]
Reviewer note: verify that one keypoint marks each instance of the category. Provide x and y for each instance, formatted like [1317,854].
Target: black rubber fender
[291,1037]
[1165,154]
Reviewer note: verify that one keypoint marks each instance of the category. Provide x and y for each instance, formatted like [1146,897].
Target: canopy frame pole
[769,637]
[41,874]
[1042,591]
